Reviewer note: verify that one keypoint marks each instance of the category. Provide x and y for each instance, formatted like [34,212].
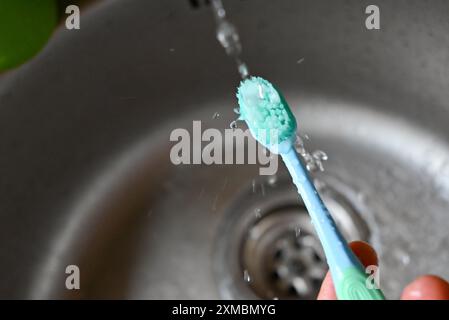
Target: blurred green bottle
[25,27]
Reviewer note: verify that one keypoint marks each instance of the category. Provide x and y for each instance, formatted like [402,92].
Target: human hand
[427,287]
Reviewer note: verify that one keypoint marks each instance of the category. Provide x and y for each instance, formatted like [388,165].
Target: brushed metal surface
[85,176]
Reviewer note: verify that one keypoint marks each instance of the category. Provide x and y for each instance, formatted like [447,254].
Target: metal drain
[267,247]
[283,257]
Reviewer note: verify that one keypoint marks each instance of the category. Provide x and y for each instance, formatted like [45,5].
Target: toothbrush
[272,123]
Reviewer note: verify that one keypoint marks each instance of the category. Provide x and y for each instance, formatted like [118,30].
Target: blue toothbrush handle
[348,274]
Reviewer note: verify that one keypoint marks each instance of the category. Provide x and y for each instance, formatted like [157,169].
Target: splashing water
[229,38]
[313,160]
[216,115]
[243,69]
[246,276]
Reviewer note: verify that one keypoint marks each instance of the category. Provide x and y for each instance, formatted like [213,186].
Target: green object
[25,27]
[264,109]
[353,286]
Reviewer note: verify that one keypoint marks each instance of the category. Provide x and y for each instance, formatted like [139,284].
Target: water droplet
[254,186]
[259,87]
[318,157]
[258,214]
[243,70]
[237,110]
[405,259]
[246,276]
[314,160]
[402,256]
[221,12]
[228,37]
[233,124]
[300,60]
[172,49]
[272,180]
[321,155]
[297,232]
[216,115]
[299,145]
[275,298]
[361,196]
[262,187]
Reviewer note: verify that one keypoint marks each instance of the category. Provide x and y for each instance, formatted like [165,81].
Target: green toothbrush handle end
[355,285]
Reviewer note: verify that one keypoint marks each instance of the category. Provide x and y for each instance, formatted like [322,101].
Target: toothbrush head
[266,113]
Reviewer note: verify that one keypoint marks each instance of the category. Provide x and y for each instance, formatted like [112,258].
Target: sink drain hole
[282,256]
[268,248]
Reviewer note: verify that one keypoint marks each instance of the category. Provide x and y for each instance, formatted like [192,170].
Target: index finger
[367,256]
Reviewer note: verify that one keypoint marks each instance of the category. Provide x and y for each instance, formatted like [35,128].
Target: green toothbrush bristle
[265,110]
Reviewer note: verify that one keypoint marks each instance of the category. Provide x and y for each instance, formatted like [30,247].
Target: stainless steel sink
[86,179]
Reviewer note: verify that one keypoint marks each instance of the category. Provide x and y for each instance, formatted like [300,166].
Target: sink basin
[86,176]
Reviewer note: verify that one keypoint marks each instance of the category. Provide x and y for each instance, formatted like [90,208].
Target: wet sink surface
[87,179]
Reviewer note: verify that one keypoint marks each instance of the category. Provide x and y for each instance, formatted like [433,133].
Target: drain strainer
[267,247]
[282,257]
